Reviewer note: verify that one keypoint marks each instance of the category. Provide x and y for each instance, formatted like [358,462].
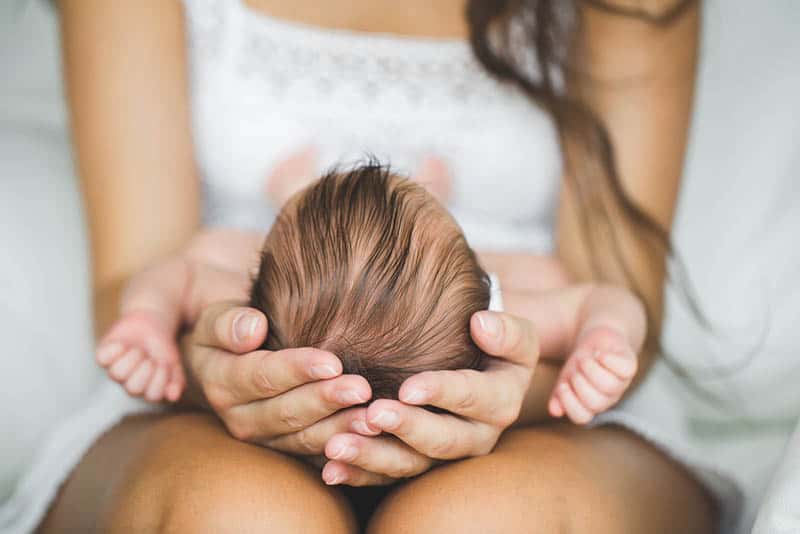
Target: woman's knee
[555,480]
[188,475]
[484,494]
[197,479]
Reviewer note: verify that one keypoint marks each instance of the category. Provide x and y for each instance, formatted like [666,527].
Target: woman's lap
[554,479]
[183,473]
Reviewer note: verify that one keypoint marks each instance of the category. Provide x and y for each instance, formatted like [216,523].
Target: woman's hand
[481,405]
[291,400]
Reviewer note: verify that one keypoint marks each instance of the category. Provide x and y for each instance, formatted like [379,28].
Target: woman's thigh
[183,473]
[558,479]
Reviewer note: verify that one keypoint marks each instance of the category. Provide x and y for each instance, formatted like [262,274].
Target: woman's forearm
[126,77]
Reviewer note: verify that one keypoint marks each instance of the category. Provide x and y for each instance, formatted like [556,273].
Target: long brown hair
[547,29]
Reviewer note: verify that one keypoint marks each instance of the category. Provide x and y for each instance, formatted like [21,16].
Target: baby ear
[434,175]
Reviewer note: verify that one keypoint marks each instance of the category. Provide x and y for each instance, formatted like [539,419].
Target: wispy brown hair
[371,267]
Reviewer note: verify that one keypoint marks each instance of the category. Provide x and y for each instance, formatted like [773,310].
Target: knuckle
[507,415]
[263,383]
[216,395]
[443,448]
[238,429]
[467,401]
[403,468]
[305,444]
[288,418]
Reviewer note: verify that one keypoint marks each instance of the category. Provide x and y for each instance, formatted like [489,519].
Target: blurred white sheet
[46,364]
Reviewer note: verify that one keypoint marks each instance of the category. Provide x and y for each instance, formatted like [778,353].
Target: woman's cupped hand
[478,405]
[291,400]
[298,401]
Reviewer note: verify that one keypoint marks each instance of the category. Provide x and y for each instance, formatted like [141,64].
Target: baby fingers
[139,379]
[624,366]
[601,378]
[122,368]
[573,407]
[109,352]
[592,399]
[158,383]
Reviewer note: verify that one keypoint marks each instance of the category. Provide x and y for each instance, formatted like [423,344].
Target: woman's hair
[503,33]
[371,267]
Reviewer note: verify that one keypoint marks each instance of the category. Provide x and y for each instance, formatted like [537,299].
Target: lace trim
[319,61]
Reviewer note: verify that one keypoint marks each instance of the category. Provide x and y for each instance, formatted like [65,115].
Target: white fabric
[67,443]
[45,324]
[780,513]
[495,293]
[263,88]
[736,228]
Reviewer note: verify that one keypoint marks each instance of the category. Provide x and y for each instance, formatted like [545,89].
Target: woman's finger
[312,439]
[383,455]
[438,436]
[230,327]
[296,409]
[506,336]
[232,380]
[334,473]
[492,396]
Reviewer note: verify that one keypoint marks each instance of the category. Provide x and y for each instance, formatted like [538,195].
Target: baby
[371,267]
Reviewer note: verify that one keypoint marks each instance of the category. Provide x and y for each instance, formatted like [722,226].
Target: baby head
[369,266]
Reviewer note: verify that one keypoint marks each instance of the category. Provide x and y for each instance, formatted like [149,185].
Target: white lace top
[269,95]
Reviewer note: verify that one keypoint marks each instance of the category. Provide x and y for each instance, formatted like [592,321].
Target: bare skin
[546,479]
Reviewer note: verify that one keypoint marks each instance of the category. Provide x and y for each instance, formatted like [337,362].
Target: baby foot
[141,354]
[434,175]
[595,376]
[291,174]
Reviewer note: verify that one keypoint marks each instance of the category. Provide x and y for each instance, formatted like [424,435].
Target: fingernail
[361,427]
[490,323]
[350,396]
[321,372]
[415,396]
[108,352]
[387,419]
[344,452]
[332,479]
[244,326]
